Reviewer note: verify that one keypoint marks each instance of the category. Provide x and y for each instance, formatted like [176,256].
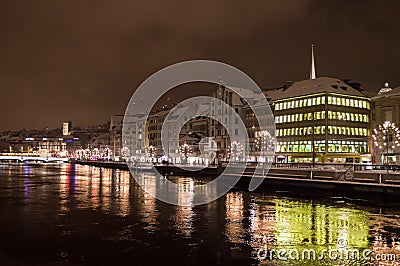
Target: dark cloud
[82,60]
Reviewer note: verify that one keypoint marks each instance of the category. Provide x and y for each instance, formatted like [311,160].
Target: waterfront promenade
[340,178]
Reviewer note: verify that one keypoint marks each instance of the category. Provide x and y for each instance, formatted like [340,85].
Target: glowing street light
[385,137]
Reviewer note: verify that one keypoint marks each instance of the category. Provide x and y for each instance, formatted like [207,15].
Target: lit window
[323,100]
[300,103]
[297,104]
[318,100]
[304,102]
[352,131]
[323,115]
[309,102]
[364,104]
[333,100]
[323,130]
[329,100]
[297,117]
[347,102]
[351,102]
[368,106]
[277,107]
[313,101]
[343,102]
[356,131]
[352,117]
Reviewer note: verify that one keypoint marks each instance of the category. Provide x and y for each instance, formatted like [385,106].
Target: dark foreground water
[81,215]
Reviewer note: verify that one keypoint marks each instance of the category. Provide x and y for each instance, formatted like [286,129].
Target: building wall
[337,124]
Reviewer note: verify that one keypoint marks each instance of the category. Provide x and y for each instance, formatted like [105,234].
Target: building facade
[386,109]
[321,120]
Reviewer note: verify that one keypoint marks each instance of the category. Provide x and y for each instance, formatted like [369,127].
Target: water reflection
[76,201]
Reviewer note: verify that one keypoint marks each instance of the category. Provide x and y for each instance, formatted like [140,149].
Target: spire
[312,70]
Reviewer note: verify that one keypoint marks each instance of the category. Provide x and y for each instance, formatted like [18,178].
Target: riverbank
[343,181]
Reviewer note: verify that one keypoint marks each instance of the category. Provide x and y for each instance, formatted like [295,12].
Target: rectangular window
[389,116]
[309,102]
[333,100]
[318,100]
[323,100]
[313,101]
[329,100]
[351,103]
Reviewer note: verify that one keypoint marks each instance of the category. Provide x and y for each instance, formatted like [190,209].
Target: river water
[62,214]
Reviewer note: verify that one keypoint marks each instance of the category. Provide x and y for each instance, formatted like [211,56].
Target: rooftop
[312,86]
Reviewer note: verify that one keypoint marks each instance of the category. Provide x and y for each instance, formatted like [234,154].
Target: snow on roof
[250,96]
[312,86]
[392,92]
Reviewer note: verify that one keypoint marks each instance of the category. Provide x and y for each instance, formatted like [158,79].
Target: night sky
[81,60]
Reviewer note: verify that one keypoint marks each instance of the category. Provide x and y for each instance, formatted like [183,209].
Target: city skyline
[80,62]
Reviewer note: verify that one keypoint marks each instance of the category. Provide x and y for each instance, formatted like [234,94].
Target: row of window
[320,130]
[320,100]
[333,146]
[321,115]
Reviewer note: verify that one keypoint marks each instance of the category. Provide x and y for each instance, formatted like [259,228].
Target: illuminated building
[322,120]
[386,107]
